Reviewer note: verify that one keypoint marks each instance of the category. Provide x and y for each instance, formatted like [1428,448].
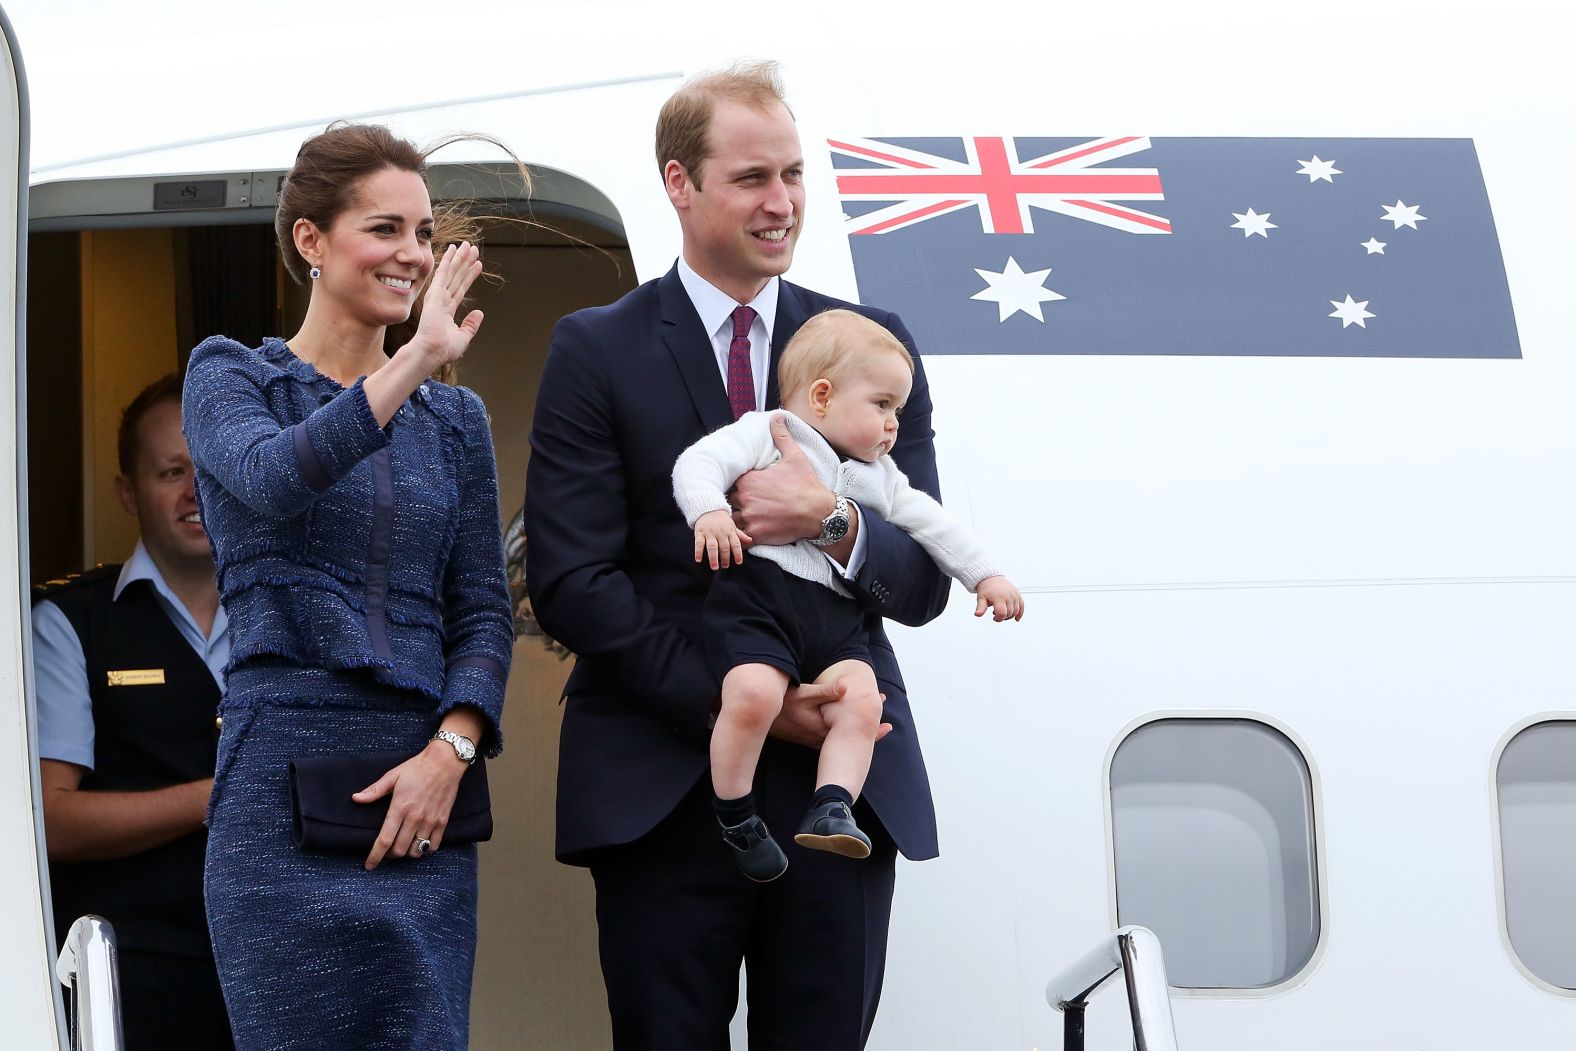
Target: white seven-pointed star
[1375,246]
[1252,222]
[1351,313]
[1317,169]
[1013,290]
[1402,214]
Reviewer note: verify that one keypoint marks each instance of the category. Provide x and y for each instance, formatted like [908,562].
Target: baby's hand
[1000,595]
[719,540]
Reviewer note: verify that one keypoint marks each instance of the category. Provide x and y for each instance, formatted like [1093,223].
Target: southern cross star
[1013,290]
[1317,169]
[1351,312]
[1252,222]
[1402,214]
[1375,246]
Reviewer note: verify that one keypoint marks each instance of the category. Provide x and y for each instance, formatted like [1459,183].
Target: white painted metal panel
[1376,553]
[26,956]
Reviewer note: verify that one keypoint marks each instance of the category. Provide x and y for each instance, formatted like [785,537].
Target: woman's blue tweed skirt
[313,950]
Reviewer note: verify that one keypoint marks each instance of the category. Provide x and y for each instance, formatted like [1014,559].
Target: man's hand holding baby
[784,502]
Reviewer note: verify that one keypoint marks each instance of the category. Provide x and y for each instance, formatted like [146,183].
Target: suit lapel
[691,348]
[792,312]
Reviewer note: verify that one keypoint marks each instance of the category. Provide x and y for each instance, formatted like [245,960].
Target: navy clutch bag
[326,819]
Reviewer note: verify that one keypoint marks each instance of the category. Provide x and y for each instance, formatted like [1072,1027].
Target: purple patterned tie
[741,378]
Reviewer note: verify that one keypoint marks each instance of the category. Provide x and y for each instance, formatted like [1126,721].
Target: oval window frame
[1516,730]
[1297,978]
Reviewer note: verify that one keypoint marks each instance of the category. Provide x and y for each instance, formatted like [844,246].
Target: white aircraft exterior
[1296,686]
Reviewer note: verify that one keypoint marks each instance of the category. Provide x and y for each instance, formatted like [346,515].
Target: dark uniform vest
[147,734]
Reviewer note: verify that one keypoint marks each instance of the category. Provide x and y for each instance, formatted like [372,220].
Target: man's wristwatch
[464,747]
[834,526]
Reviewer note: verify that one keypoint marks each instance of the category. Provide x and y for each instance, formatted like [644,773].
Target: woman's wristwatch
[464,747]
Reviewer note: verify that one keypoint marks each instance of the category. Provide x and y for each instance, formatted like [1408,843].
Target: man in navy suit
[611,572]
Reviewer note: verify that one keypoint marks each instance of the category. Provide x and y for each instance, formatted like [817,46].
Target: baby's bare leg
[752,695]
[854,720]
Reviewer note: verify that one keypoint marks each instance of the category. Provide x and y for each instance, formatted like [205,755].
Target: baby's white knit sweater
[706,470]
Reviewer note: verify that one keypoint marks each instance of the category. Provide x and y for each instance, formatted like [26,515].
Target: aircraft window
[1213,834]
[1536,781]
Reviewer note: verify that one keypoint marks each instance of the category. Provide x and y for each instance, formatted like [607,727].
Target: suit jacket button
[218,722]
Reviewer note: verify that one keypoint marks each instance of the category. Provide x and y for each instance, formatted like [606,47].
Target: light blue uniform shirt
[60,669]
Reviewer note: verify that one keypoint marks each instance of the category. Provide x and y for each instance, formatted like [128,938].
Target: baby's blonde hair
[831,345]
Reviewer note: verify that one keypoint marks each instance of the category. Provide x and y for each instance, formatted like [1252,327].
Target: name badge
[137,677]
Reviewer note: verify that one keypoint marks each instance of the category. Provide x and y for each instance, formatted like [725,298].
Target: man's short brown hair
[684,125]
[129,440]
[832,345]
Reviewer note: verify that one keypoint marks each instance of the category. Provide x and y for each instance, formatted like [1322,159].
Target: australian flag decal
[1188,246]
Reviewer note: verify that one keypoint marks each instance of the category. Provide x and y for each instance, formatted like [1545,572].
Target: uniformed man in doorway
[129,667]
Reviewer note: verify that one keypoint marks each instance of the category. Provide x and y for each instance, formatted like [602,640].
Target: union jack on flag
[1072,181]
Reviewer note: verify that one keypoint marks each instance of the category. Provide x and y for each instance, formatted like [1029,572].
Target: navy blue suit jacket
[611,573]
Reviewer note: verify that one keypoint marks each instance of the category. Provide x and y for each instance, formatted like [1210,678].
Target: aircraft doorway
[120,296]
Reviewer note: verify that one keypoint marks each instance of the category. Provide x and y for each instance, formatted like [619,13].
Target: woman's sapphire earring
[315,273]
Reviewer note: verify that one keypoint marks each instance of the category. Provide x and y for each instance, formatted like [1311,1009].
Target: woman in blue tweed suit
[353,506]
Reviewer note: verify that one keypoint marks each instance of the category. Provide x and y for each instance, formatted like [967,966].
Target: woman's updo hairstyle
[322,185]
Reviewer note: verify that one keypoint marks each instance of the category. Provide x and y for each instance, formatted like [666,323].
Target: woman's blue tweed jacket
[343,545]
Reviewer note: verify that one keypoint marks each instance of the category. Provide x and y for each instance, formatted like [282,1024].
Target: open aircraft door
[26,957]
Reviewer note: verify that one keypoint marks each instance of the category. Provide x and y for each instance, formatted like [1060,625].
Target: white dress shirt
[716,308]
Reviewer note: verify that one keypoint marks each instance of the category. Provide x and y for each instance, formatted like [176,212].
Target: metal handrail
[1135,951]
[89,970]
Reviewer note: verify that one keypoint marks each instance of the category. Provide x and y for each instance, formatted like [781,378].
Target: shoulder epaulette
[71,580]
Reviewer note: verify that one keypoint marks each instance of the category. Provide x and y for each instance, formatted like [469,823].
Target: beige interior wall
[537,981]
[128,340]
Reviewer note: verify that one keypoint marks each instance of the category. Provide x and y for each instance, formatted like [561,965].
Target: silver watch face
[463,746]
